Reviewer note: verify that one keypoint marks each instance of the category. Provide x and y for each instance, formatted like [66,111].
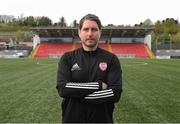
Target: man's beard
[91,45]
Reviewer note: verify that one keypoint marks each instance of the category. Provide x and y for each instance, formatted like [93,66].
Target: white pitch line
[136,63]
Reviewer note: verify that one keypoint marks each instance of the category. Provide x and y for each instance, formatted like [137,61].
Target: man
[89,78]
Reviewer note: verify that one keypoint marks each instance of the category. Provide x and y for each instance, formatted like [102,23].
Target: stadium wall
[127,39]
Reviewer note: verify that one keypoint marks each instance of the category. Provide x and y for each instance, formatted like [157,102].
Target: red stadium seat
[137,49]
[52,48]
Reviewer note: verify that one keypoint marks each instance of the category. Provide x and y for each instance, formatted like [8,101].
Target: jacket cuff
[100,84]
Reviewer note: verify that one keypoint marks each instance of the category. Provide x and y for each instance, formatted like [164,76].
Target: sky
[117,12]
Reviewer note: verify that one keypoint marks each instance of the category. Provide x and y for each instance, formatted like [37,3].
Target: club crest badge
[103,66]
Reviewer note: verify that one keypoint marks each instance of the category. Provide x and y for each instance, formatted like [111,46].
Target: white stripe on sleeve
[89,85]
[100,94]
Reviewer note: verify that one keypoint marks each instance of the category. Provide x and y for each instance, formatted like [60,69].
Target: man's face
[89,34]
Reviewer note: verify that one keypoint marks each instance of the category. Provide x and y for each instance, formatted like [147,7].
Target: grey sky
[110,11]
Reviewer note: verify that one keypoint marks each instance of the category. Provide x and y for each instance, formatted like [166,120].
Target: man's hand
[104,86]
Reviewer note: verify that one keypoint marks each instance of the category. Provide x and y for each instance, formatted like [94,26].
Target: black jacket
[79,82]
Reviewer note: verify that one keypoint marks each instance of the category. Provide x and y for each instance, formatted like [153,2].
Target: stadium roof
[106,31]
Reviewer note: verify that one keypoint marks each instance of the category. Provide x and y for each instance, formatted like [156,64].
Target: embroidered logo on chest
[103,66]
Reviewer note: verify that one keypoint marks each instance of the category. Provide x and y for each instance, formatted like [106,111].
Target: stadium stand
[52,48]
[104,46]
[44,49]
[125,42]
[136,49]
[127,50]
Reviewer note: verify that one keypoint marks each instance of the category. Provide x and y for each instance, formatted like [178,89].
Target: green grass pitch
[151,91]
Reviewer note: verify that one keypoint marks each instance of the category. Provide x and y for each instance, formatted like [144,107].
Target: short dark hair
[91,17]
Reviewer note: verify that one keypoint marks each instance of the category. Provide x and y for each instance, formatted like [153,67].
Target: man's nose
[89,32]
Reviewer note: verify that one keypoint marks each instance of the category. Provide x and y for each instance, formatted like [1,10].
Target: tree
[176,38]
[166,28]
[147,23]
[110,25]
[29,21]
[62,22]
[75,24]
[154,37]
[43,21]
[19,35]
[20,20]
[170,25]
[158,27]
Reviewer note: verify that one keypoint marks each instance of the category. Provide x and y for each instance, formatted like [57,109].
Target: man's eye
[85,29]
[94,29]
